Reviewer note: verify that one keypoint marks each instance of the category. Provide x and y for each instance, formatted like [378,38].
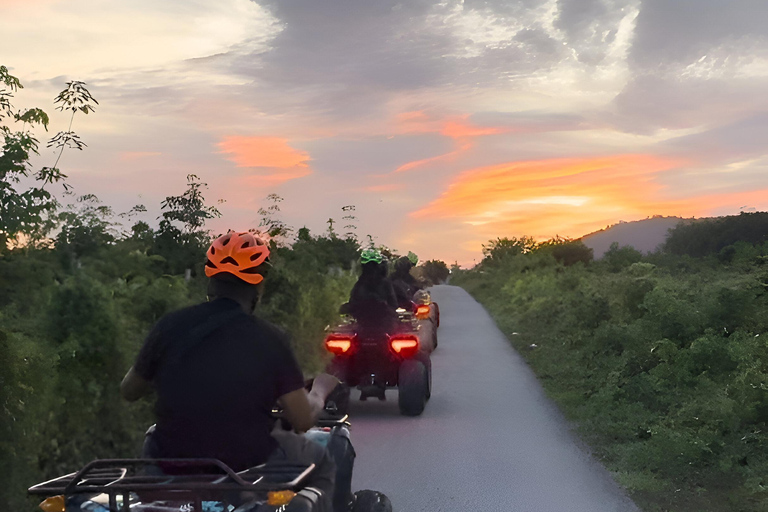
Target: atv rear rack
[210,477]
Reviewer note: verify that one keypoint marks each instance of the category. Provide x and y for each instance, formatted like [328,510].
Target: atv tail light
[404,345]
[53,504]
[279,498]
[422,311]
[339,344]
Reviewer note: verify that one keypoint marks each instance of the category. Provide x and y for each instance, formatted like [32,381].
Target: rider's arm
[134,386]
[137,383]
[302,409]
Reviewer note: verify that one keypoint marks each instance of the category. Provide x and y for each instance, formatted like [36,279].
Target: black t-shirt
[218,372]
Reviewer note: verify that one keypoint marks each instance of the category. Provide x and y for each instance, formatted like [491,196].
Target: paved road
[489,439]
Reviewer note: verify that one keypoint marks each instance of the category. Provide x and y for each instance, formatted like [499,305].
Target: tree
[189,208]
[566,251]
[270,223]
[183,248]
[436,271]
[351,222]
[84,229]
[618,258]
[24,213]
[502,248]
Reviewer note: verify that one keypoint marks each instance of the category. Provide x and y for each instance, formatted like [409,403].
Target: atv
[209,485]
[374,360]
[428,315]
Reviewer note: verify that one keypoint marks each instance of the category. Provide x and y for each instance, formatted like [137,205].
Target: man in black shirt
[218,371]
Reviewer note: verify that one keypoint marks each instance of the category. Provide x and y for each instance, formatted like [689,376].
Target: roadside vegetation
[660,360]
[81,285]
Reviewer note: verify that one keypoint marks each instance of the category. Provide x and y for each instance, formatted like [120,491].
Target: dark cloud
[347,59]
[651,102]
[531,121]
[590,26]
[742,140]
[373,155]
[680,31]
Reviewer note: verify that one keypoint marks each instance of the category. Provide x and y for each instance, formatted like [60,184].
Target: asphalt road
[489,439]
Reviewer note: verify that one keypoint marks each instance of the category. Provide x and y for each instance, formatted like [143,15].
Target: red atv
[375,359]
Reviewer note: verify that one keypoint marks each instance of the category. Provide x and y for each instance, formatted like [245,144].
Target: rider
[218,371]
[373,300]
[404,283]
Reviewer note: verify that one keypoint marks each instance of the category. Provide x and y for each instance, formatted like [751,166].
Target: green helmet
[413,258]
[371,256]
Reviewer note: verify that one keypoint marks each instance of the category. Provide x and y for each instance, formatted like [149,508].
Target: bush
[661,360]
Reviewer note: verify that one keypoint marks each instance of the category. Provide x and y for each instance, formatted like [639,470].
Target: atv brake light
[422,311]
[404,345]
[53,504]
[338,344]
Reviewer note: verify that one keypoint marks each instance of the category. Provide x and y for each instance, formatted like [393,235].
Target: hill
[644,235]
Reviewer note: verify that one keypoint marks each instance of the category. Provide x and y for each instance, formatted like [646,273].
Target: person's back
[372,300]
[216,390]
[218,371]
[404,284]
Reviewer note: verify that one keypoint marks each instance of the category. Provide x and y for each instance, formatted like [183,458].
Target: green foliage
[503,248]
[25,213]
[435,271]
[618,258]
[706,237]
[189,209]
[661,360]
[73,316]
[566,251]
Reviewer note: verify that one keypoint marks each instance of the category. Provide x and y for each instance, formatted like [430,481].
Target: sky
[445,123]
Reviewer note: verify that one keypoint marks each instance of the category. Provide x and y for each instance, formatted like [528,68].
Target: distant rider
[373,301]
[218,371]
[404,284]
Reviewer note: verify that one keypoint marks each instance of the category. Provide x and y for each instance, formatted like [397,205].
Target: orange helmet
[239,254]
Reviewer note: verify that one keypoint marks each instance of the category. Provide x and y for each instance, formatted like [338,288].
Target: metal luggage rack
[121,477]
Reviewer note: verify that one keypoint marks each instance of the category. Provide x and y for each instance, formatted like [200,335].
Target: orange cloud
[431,160]
[569,197]
[461,128]
[458,128]
[262,152]
[268,180]
[561,196]
[455,127]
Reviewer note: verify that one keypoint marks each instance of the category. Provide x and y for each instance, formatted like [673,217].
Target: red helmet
[239,254]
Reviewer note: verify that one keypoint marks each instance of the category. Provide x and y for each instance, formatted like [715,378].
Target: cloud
[458,128]
[262,152]
[682,31]
[415,164]
[572,197]
[95,37]
[551,195]
[275,161]
[275,178]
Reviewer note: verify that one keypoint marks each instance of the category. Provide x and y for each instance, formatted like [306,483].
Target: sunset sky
[445,123]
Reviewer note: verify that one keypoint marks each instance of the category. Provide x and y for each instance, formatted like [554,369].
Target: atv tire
[412,387]
[371,501]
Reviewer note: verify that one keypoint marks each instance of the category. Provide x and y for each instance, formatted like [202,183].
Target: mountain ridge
[645,235]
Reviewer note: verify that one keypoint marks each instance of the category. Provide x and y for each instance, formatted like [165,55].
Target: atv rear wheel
[413,387]
[371,501]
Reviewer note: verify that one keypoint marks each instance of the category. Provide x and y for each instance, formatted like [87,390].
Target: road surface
[489,439]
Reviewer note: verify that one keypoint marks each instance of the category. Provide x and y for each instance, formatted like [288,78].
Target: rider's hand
[324,384]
